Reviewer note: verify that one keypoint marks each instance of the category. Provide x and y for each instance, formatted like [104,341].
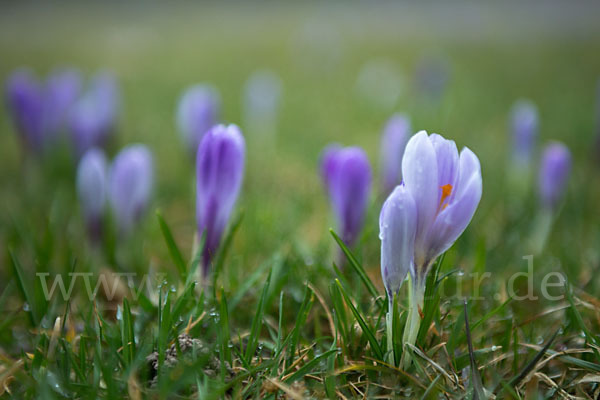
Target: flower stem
[413,321]
[389,318]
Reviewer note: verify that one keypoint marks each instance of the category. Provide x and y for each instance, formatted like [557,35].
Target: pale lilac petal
[447,160]
[397,228]
[420,175]
[453,219]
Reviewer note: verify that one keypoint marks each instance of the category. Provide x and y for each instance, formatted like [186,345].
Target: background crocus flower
[553,174]
[39,110]
[346,174]
[130,185]
[219,173]
[397,228]
[524,126]
[431,76]
[63,87]
[25,101]
[393,141]
[198,111]
[262,94]
[92,187]
[93,117]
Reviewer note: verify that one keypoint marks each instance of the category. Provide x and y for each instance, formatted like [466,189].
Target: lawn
[287,312]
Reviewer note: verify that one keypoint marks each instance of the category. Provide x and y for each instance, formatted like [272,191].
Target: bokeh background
[345,68]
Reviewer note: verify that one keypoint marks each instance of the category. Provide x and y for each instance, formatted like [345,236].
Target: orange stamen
[446,191]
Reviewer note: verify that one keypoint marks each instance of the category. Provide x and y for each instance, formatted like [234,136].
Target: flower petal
[453,220]
[397,227]
[420,174]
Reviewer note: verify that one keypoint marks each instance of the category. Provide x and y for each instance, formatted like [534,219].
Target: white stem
[413,320]
[389,318]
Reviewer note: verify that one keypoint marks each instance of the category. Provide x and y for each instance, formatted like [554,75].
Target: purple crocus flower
[219,173]
[524,125]
[39,110]
[397,228]
[130,185]
[63,88]
[92,187]
[25,100]
[553,174]
[393,141]
[93,117]
[346,174]
[446,188]
[198,111]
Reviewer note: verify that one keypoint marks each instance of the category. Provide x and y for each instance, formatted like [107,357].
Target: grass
[282,316]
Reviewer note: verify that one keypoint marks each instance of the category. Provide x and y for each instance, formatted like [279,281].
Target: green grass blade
[363,325]
[358,268]
[478,392]
[34,319]
[224,250]
[172,246]
[257,322]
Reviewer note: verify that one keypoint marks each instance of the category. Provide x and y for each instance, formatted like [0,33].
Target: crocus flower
[130,185]
[346,174]
[262,95]
[198,111]
[446,189]
[93,117]
[39,110]
[25,100]
[397,228]
[431,76]
[219,173]
[524,125]
[92,188]
[393,141]
[553,174]
[63,88]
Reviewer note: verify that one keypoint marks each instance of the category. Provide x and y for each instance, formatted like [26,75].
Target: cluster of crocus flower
[393,140]
[346,174]
[42,112]
[126,185]
[197,111]
[39,110]
[425,215]
[219,174]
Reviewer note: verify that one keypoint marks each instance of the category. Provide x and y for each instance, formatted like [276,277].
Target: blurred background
[342,69]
